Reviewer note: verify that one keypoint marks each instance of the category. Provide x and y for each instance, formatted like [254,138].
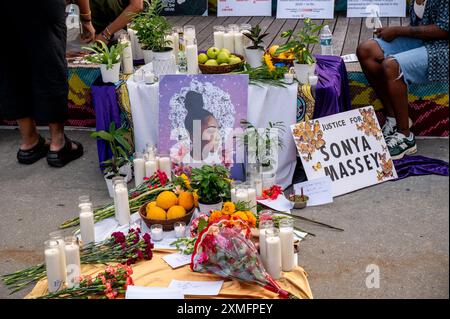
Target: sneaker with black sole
[399,145]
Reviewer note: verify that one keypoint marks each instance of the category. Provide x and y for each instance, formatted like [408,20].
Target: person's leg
[370,57]
[58,139]
[28,133]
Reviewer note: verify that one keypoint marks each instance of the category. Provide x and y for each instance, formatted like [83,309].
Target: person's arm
[88,31]
[121,21]
[423,32]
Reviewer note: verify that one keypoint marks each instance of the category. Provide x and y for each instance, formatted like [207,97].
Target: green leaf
[103,135]
[202,224]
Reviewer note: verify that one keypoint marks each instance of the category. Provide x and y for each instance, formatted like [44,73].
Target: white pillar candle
[239,44]
[151,167]
[228,41]
[295,259]
[241,195]
[262,239]
[123,206]
[233,195]
[87,225]
[273,253]
[287,244]
[139,170]
[192,58]
[251,194]
[56,236]
[258,186]
[176,45]
[73,264]
[218,39]
[55,279]
[149,77]
[127,58]
[165,165]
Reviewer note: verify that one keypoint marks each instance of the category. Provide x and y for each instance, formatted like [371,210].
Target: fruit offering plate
[166,223]
[221,69]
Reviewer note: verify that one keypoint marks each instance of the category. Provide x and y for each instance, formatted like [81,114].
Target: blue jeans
[411,55]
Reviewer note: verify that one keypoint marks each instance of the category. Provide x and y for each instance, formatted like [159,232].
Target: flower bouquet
[107,285]
[124,249]
[224,249]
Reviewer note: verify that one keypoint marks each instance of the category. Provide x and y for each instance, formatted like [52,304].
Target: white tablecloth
[265,103]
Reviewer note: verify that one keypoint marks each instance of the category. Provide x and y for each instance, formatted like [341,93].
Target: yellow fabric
[158,273]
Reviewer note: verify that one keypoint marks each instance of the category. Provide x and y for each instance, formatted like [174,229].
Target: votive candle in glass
[180,229]
[156,232]
[73,264]
[273,253]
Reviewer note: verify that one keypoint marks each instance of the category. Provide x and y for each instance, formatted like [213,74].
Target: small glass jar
[180,229]
[263,225]
[189,32]
[273,252]
[58,237]
[242,192]
[287,243]
[156,232]
[233,28]
[268,179]
[53,267]
[234,185]
[219,31]
[73,264]
[84,200]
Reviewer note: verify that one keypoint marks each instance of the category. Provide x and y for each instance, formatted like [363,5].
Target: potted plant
[119,164]
[300,45]
[151,29]
[212,184]
[108,58]
[255,52]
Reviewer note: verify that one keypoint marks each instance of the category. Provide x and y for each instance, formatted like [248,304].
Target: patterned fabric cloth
[436,12]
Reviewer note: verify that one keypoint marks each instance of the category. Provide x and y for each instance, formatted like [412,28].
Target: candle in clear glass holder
[121,203]
[239,42]
[165,164]
[219,31]
[241,193]
[251,195]
[149,77]
[138,76]
[73,264]
[189,32]
[176,42]
[53,267]
[139,168]
[84,200]
[273,253]
[151,166]
[156,232]
[151,151]
[246,28]
[87,230]
[263,225]
[313,79]
[268,179]
[228,40]
[287,244]
[115,180]
[180,229]
[191,55]
[233,188]
[57,236]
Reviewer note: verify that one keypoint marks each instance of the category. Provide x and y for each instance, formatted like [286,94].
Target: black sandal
[65,155]
[34,154]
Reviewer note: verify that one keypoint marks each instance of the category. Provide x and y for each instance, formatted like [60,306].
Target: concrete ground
[400,227]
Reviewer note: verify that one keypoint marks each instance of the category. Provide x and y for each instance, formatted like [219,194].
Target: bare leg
[28,132]
[398,93]
[370,57]
[57,137]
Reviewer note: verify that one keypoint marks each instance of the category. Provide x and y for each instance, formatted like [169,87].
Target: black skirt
[33,67]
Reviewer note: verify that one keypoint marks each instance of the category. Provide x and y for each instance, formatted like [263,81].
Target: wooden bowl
[166,223]
[221,69]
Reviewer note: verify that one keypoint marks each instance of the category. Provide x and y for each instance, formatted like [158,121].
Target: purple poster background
[234,85]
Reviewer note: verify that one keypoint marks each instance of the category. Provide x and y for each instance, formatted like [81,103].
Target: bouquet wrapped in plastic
[225,249]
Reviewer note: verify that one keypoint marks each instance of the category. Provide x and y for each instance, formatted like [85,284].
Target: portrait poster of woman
[199,116]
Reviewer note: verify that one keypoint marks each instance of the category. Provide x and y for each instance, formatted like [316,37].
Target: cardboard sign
[185,7]
[348,147]
[301,9]
[226,8]
[376,8]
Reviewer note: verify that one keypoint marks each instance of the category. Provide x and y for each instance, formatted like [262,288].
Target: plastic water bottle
[326,41]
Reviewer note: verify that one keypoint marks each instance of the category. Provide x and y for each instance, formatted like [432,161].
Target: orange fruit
[166,199]
[149,205]
[186,199]
[156,213]
[176,211]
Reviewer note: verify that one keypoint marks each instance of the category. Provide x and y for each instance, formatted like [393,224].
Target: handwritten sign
[301,9]
[136,292]
[374,8]
[226,8]
[348,147]
[197,288]
[319,191]
[177,260]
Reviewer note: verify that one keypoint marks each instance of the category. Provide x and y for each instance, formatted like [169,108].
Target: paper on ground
[281,204]
[197,288]
[137,292]
[349,58]
[318,190]
[177,260]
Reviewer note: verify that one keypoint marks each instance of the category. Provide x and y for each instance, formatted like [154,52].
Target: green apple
[223,57]
[232,56]
[235,60]
[202,58]
[212,52]
[211,62]
[225,50]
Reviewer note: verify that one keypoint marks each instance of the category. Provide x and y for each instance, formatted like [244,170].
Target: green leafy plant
[300,43]
[104,55]
[259,142]
[256,37]
[151,28]
[119,145]
[212,183]
[263,75]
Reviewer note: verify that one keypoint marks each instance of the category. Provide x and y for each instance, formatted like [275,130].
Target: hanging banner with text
[301,9]
[376,8]
[240,8]
[185,7]
[348,147]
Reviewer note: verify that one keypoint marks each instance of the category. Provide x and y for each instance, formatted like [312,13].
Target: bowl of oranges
[168,208]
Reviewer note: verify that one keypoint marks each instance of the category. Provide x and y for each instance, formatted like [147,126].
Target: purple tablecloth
[106,108]
[420,165]
[332,91]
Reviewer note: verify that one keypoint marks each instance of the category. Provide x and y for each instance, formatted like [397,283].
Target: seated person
[110,16]
[403,55]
